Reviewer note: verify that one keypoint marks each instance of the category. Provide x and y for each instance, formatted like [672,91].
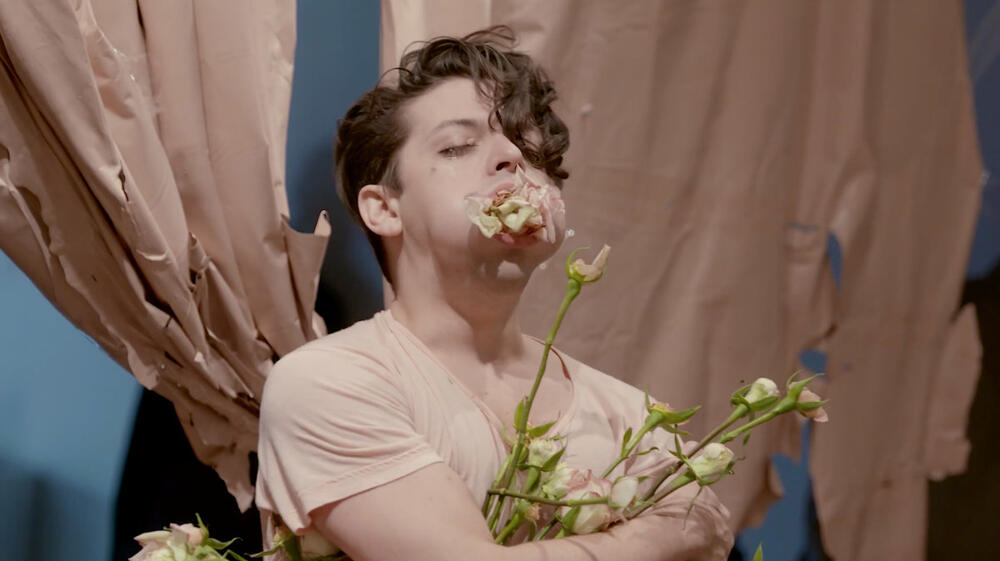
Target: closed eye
[457,150]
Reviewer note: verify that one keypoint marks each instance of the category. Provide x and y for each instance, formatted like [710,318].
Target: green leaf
[271,551]
[676,417]
[519,414]
[220,544]
[553,461]
[765,403]
[570,259]
[625,438]
[540,430]
[792,378]
[810,405]
[737,396]
[202,527]
[570,519]
[759,554]
[644,452]
[674,430]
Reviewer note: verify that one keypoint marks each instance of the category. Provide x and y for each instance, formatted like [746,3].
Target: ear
[379,208]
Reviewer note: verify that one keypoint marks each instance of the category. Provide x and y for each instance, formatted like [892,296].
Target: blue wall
[66,414]
[66,409]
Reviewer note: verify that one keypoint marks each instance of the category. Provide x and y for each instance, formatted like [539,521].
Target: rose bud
[541,451]
[312,544]
[561,479]
[762,394]
[587,272]
[712,463]
[623,491]
[810,406]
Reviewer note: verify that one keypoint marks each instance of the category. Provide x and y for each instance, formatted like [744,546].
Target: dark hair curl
[372,131]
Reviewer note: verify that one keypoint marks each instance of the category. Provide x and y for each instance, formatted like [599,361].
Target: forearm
[636,540]
[427,516]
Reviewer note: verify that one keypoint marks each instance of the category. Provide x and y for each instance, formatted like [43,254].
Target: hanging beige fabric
[715,147]
[142,191]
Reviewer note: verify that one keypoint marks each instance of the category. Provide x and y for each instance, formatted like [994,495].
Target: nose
[505,155]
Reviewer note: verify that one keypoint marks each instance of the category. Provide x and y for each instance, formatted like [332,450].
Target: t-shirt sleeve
[333,423]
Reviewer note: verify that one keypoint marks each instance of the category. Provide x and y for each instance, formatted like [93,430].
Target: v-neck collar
[558,427]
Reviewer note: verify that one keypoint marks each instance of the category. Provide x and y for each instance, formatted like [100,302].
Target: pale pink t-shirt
[370,404]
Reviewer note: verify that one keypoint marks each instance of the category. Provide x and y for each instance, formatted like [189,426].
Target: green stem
[572,290]
[488,501]
[675,484]
[758,421]
[738,412]
[545,530]
[651,423]
[510,528]
[544,501]
[531,481]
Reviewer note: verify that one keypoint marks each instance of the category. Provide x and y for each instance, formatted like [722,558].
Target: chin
[507,274]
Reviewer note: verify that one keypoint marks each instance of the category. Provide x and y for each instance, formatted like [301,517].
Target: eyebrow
[464,123]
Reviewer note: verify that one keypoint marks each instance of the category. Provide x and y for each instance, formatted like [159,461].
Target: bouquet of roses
[535,492]
[586,503]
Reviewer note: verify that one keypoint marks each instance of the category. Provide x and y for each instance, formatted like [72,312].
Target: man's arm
[430,515]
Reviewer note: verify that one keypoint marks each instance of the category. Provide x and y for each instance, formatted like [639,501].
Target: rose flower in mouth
[526,209]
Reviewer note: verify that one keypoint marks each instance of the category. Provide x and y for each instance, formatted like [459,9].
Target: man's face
[451,152]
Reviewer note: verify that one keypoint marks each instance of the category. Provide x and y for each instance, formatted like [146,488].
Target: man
[384,437]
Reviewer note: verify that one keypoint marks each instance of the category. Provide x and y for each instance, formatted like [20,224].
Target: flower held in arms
[562,479]
[544,452]
[592,517]
[175,544]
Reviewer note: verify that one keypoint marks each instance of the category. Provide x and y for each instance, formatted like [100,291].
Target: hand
[704,524]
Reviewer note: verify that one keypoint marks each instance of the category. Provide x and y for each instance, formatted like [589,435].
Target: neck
[472,323]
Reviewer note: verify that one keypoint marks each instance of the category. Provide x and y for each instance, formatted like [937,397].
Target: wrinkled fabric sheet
[142,191]
[718,147]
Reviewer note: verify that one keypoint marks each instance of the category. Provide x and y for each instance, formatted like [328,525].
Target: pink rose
[175,544]
[563,478]
[594,517]
[190,533]
[526,209]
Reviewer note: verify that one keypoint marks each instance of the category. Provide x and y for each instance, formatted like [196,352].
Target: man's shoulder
[362,345]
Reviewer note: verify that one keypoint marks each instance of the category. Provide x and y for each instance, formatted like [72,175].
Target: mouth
[511,240]
[497,189]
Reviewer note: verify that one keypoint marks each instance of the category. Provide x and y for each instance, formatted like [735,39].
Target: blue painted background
[66,409]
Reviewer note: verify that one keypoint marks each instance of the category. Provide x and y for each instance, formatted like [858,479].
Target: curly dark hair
[371,132]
